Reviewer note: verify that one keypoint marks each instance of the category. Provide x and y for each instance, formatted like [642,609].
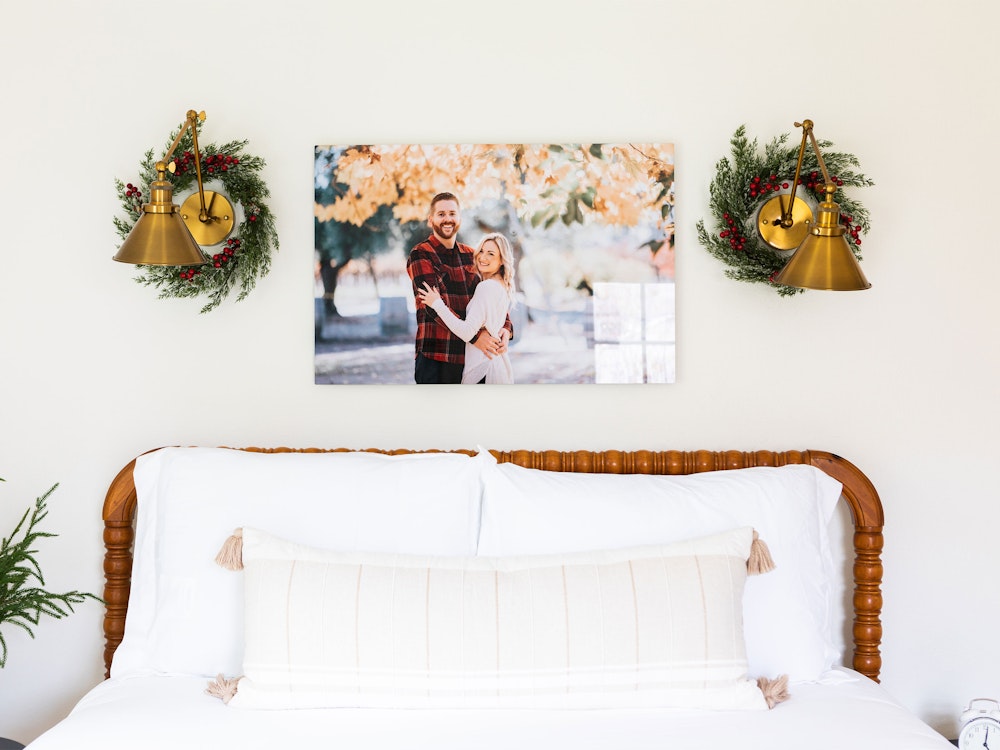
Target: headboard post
[867,601]
[863,500]
[868,518]
[119,520]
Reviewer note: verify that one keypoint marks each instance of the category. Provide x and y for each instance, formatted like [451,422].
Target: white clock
[980,725]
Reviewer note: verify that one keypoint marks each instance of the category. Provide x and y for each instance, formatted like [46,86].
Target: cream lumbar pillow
[643,627]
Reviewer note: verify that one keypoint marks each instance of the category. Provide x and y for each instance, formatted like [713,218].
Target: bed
[201,656]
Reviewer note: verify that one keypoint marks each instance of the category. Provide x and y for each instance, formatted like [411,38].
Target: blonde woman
[494,261]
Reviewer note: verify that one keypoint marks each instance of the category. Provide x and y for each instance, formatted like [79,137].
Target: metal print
[486,263]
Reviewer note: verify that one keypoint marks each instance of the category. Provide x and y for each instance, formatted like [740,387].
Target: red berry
[784,185]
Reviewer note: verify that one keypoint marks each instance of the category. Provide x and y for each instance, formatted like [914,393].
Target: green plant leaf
[22,602]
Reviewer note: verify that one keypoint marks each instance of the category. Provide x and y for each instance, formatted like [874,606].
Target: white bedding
[186,616]
[842,711]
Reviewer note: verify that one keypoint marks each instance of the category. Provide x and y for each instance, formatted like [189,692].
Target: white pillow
[185,614]
[788,613]
[643,627]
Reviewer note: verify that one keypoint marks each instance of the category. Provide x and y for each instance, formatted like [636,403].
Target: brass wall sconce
[823,259]
[170,235]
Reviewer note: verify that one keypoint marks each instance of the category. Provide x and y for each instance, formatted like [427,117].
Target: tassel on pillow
[230,556]
[775,691]
[760,560]
[222,688]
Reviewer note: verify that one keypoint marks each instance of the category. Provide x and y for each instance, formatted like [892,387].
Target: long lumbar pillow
[642,627]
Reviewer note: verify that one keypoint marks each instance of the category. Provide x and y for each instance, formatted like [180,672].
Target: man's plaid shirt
[452,271]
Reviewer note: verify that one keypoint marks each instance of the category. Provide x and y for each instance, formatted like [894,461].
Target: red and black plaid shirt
[452,271]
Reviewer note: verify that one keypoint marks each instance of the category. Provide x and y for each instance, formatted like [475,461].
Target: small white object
[980,725]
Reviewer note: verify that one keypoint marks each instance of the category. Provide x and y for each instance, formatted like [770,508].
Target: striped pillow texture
[648,626]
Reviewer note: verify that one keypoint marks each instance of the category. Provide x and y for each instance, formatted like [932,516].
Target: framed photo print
[494,263]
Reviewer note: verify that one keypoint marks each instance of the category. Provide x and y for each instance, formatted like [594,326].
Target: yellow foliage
[623,183]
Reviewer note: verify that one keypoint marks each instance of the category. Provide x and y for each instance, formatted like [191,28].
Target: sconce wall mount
[170,235]
[764,209]
[168,242]
[822,258]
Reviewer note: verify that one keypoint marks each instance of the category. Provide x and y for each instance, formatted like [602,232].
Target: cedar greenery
[735,197]
[245,257]
[23,601]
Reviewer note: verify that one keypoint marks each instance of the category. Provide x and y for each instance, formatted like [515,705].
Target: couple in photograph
[463,299]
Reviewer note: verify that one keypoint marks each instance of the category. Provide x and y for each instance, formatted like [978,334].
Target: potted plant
[23,598]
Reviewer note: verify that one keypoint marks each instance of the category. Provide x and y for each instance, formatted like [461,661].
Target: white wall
[901,379]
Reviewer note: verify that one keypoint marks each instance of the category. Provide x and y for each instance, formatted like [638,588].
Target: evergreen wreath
[744,182]
[246,254]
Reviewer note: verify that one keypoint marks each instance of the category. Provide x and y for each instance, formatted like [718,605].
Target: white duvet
[842,711]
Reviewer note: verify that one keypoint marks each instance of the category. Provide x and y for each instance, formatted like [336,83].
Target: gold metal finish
[824,260]
[772,229]
[219,217]
[161,237]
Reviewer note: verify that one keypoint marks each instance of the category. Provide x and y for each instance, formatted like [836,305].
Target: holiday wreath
[746,180]
[246,254]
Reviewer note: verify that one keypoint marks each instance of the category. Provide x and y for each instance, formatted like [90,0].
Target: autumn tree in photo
[368,197]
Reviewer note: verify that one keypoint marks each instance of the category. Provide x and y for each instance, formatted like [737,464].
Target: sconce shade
[160,237]
[824,260]
[823,263]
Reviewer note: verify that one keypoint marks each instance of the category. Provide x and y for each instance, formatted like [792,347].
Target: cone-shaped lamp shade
[824,260]
[159,237]
[823,263]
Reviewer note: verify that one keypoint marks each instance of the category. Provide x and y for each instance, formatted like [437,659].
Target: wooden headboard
[859,493]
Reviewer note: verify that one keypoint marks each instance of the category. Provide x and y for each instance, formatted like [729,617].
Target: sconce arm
[807,129]
[807,137]
[191,122]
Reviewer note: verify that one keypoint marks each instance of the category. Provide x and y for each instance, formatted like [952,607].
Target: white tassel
[775,691]
[230,556]
[760,560]
[222,688]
